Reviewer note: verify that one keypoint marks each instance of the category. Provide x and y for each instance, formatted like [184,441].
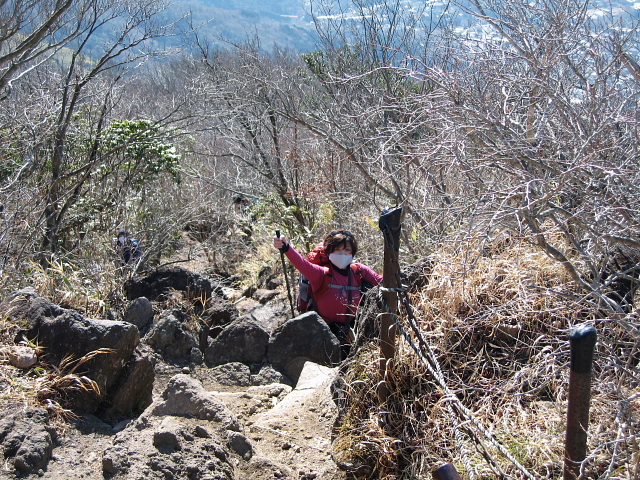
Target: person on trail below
[339,304]
[127,248]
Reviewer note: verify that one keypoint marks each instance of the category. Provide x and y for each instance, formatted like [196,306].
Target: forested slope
[516,138]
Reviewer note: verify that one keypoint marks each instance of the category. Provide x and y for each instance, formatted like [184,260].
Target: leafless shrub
[498,327]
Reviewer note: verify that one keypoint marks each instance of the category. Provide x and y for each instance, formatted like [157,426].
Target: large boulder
[156,284]
[101,350]
[306,336]
[243,341]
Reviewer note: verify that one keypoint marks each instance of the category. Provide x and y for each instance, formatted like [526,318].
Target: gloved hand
[281,243]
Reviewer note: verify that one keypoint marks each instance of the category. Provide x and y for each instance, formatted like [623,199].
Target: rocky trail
[212,410]
[288,432]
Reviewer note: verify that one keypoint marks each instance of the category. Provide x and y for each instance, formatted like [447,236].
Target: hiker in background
[241,205]
[242,220]
[127,249]
[335,280]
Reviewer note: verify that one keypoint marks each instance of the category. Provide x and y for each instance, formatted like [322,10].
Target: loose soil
[291,438]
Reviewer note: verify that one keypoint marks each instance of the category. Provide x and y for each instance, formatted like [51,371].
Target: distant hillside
[288,24]
[276,23]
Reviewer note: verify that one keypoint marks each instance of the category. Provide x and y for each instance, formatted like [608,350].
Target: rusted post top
[391,219]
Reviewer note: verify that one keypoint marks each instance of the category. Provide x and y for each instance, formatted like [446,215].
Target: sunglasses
[342,232]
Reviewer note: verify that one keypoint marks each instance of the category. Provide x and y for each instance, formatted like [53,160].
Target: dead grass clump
[489,393]
[89,289]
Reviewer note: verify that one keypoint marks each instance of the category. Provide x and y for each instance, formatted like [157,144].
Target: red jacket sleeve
[315,273]
[370,276]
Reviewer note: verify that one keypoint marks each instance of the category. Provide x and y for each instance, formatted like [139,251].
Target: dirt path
[290,432]
[295,433]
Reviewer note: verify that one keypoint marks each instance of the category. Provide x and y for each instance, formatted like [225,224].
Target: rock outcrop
[187,432]
[160,282]
[104,351]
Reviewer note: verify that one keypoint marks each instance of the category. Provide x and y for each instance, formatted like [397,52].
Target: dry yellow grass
[496,319]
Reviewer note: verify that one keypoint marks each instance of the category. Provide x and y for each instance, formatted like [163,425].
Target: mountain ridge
[290,24]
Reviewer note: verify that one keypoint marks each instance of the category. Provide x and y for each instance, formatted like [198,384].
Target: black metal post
[583,341]
[446,472]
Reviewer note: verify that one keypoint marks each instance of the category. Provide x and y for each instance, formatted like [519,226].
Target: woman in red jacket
[339,304]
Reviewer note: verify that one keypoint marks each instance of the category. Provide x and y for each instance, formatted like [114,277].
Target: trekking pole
[286,278]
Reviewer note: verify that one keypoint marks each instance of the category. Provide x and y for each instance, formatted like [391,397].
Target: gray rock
[115,460]
[268,375]
[220,312]
[168,447]
[294,367]
[305,336]
[233,373]
[22,356]
[196,357]
[263,295]
[241,445]
[270,316]
[181,435]
[135,388]
[139,312]
[242,341]
[202,432]
[158,283]
[65,333]
[247,305]
[274,283]
[166,441]
[260,467]
[28,440]
[172,339]
[185,396]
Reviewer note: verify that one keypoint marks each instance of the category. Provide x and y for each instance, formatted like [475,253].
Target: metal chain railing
[426,355]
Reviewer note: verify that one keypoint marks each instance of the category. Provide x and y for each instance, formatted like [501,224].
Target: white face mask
[340,260]
[122,239]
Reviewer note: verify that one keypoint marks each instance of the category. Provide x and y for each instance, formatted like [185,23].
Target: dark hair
[340,239]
